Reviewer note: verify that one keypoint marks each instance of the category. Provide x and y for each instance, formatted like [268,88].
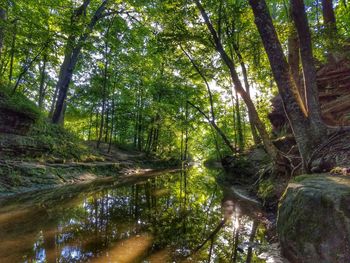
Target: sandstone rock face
[17,145]
[334,92]
[314,219]
[334,95]
[14,122]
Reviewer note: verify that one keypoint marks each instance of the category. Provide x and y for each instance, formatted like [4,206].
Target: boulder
[314,219]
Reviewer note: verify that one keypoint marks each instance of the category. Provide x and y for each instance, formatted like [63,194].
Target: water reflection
[174,217]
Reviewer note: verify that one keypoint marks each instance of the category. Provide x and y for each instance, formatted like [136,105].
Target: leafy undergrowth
[62,145]
[18,102]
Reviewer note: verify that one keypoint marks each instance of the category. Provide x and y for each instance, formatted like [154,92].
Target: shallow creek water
[183,216]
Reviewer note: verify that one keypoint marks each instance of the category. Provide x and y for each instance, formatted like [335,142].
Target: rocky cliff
[333,81]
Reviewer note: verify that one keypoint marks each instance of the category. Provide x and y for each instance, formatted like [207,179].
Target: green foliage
[19,103]
[266,189]
[62,143]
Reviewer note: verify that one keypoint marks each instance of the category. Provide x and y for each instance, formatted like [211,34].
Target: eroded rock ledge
[314,219]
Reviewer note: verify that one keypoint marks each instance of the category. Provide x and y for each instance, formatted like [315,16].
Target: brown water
[173,217]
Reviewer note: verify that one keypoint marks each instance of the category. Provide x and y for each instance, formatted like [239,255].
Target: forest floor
[20,175]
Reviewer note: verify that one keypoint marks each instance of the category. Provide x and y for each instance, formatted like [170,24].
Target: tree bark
[104,90]
[308,133]
[12,52]
[328,13]
[72,52]
[53,102]
[307,60]
[330,27]
[112,123]
[185,157]
[42,83]
[247,88]
[294,55]
[2,28]
[270,148]
[240,137]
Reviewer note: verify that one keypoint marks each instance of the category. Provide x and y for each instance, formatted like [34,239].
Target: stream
[183,216]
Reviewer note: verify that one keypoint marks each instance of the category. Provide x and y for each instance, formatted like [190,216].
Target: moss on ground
[22,177]
[17,102]
[61,143]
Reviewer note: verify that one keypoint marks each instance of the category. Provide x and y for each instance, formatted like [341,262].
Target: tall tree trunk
[307,60]
[150,136]
[156,135]
[107,123]
[247,88]
[2,28]
[240,137]
[139,127]
[139,132]
[65,76]
[234,119]
[72,51]
[328,13]
[185,155]
[42,82]
[112,121]
[104,90]
[308,133]
[90,123]
[12,52]
[97,123]
[270,148]
[330,27]
[53,102]
[294,55]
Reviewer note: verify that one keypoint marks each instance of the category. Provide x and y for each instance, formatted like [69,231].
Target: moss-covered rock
[314,219]
[16,177]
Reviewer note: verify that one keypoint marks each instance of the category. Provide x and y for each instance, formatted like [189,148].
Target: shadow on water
[174,217]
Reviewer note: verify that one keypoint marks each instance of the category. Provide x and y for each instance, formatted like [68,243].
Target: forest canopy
[173,78]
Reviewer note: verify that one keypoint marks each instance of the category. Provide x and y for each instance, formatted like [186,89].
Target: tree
[305,120]
[270,148]
[72,50]
[211,119]
[2,28]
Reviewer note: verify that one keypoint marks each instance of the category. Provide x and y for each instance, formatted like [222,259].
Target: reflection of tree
[182,211]
[236,241]
[211,235]
[251,240]
[50,245]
